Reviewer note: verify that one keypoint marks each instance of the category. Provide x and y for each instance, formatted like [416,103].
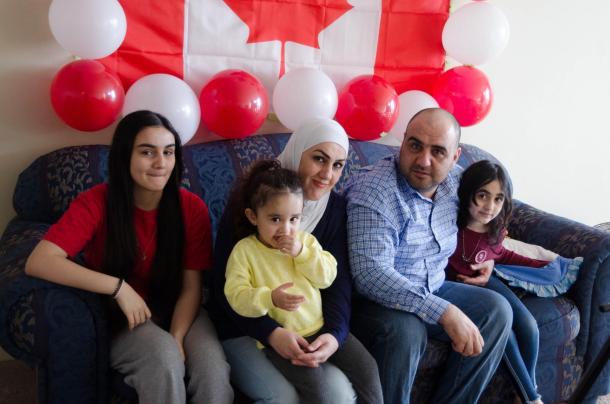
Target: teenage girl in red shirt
[145,242]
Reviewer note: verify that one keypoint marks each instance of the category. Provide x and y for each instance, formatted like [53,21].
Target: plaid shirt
[399,241]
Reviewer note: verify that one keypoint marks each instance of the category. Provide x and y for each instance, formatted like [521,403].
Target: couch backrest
[45,189]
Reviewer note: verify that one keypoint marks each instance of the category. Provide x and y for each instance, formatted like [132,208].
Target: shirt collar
[446,188]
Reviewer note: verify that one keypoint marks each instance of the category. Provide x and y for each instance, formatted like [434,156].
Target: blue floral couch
[62,331]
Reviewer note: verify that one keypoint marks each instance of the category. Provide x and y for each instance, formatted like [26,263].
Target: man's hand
[288,344]
[290,244]
[465,336]
[319,351]
[485,270]
[285,300]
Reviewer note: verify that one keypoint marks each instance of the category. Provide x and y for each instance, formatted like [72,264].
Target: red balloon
[368,106]
[234,104]
[465,92]
[87,96]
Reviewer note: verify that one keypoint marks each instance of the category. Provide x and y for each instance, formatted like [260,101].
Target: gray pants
[150,359]
[352,358]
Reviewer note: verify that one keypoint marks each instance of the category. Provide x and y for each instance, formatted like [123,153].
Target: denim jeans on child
[521,352]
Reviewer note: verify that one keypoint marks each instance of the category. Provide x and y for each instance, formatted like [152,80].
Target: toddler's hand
[290,245]
[285,300]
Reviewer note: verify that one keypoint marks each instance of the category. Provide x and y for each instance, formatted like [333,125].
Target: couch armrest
[18,240]
[563,236]
[572,239]
[60,330]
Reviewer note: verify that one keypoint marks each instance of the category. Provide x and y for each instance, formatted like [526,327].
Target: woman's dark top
[336,299]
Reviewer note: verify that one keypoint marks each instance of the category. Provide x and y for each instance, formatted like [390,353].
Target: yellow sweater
[254,270]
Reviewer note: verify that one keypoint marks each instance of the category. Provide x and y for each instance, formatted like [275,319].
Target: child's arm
[508,257]
[50,262]
[187,307]
[317,265]
[245,299]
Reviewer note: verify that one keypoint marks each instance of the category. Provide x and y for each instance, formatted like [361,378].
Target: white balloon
[91,29]
[168,96]
[410,103]
[476,33]
[302,94]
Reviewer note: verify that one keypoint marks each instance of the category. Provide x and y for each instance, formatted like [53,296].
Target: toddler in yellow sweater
[277,271]
[277,259]
[260,276]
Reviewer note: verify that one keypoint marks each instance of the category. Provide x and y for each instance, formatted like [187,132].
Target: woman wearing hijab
[317,152]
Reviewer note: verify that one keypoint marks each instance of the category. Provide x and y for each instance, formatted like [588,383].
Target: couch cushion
[558,369]
[558,376]
[45,189]
[558,321]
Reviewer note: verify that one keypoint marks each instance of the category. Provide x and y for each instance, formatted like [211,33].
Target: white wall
[547,124]
[29,58]
[550,120]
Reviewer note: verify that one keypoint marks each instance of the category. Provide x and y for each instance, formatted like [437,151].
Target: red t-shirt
[473,247]
[83,228]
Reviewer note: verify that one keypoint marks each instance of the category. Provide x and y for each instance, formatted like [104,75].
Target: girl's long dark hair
[474,178]
[264,180]
[121,247]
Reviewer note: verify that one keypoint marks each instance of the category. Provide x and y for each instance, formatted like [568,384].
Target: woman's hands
[290,345]
[318,351]
[133,306]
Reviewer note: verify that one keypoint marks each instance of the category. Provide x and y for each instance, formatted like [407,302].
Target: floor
[17,383]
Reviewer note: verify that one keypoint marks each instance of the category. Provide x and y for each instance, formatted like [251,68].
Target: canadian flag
[399,40]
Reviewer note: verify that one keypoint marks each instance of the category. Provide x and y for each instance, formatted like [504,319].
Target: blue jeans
[259,379]
[521,352]
[397,340]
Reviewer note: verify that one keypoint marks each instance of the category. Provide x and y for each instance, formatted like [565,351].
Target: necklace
[143,250]
[474,251]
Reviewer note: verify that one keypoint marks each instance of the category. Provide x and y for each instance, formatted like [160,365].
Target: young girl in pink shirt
[485,206]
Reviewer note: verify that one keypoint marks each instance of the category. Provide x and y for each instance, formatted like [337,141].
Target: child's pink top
[473,248]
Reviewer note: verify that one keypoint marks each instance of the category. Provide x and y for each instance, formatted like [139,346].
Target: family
[315,297]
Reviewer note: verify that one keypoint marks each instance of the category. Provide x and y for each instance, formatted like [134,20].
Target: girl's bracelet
[118,288]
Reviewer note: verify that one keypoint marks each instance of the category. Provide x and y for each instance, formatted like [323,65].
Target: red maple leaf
[299,21]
